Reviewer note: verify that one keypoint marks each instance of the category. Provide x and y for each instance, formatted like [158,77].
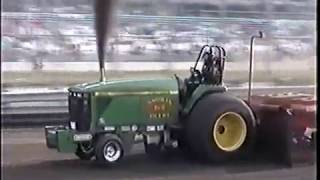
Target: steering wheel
[195,74]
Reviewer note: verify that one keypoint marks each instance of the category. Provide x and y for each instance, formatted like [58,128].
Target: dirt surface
[25,156]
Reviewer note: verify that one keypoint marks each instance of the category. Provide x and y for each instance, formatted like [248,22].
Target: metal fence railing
[55,102]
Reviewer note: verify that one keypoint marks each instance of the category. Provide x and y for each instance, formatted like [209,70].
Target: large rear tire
[220,127]
[152,149]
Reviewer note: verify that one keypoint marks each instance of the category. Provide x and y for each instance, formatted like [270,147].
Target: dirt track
[25,156]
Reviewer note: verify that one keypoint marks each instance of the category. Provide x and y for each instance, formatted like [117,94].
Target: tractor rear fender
[201,91]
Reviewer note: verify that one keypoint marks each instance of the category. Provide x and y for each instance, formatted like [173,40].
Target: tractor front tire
[109,149]
[220,127]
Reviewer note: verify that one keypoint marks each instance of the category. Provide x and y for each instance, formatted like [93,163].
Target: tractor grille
[79,110]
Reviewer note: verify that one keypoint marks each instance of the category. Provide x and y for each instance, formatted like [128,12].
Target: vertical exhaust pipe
[251,63]
[102,9]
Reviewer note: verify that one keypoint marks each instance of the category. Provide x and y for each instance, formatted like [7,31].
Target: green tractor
[196,114]
[106,117]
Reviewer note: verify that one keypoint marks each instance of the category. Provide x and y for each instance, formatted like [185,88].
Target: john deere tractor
[196,114]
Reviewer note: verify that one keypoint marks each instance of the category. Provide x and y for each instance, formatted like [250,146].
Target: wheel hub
[112,151]
[221,129]
[229,131]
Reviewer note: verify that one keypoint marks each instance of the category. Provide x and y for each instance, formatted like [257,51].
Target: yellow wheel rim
[229,131]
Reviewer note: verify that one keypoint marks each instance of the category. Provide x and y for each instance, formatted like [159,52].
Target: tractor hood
[168,85]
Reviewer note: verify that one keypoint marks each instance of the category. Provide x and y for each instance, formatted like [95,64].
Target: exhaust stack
[102,9]
[251,63]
